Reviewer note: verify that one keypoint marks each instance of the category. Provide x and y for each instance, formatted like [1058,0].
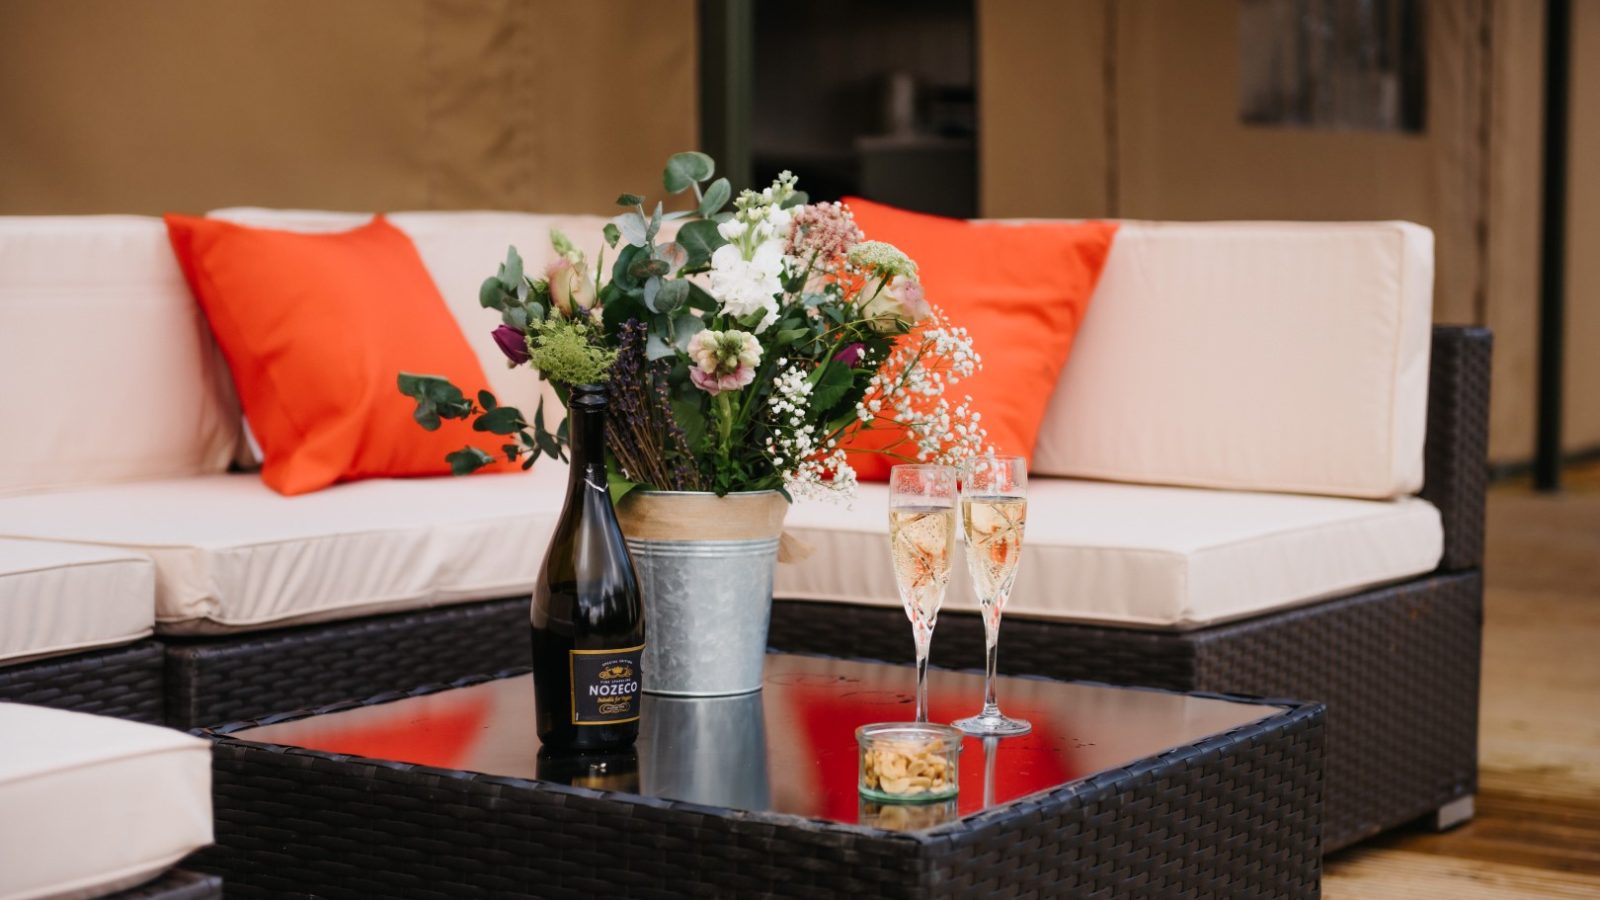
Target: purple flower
[513,343]
[850,355]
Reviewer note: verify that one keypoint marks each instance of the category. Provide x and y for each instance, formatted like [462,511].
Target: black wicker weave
[1398,669]
[1457,450]
[209,681]
[123,681]
[1235,815]
[177,884]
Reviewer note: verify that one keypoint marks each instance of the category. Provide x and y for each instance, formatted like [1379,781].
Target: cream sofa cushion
[1273,356]
[232,555]
[57,598]
[111,371]
[90,804]
[461,249]
[1140,556]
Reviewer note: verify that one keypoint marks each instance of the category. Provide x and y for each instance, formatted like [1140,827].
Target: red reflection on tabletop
[1023,765]
[444,737]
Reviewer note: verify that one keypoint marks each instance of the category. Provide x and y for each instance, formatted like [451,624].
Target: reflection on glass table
[790,748]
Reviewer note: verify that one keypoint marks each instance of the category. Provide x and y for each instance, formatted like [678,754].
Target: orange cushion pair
[1020,290]
[315,327]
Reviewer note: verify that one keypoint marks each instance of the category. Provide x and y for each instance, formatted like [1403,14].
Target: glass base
[988,724]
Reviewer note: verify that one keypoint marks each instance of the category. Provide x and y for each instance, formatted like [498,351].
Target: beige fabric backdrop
[145,106]
[1130,108]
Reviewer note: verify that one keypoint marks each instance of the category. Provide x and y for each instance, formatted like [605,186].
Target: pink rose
[571,286]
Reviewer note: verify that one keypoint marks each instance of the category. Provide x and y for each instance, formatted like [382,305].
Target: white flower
[731,230]
[747,285]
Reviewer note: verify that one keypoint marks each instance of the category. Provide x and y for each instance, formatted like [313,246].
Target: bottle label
[605,686]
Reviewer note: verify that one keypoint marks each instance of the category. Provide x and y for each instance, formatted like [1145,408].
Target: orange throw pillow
[1021,291]
[315,328]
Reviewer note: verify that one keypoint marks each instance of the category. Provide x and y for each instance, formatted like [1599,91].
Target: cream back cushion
[109,369]
[1252,355]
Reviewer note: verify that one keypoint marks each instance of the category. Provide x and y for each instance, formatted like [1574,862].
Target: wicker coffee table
[442,793]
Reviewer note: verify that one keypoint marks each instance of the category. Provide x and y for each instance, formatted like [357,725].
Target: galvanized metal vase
[705,566]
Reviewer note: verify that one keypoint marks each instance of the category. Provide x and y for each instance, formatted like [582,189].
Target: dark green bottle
[587,617]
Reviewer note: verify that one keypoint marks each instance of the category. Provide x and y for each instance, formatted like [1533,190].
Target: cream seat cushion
[90,804]
[1140,556]
[232,555]
[58,598]
[1257,356]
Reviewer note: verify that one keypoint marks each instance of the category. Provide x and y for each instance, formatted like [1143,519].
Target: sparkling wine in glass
[994,512]
[922,539]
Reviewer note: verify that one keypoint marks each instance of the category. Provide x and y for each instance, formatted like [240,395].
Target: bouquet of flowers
[741,354]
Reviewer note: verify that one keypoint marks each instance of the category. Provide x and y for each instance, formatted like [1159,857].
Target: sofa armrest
[1456,467]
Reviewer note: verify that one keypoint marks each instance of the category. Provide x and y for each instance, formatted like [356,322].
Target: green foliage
[701,239]
[436,399]
[687,169]
[467,460]
[721,439]
[567,351]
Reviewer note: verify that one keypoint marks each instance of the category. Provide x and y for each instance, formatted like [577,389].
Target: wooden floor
[1537,832]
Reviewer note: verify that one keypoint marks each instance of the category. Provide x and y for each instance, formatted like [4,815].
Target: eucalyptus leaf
[629,200]
[670,297]
[656,347]
[491,295]
[467,460]
[512,451]
[633,228]
[612,233]
[788,336]
[622,270]
[644,267]
[673,254]
[511,270]
[684,169]
[699,239]
[487,400]
[716,197]
[500,420]
[654,227]
[652,289]
[798,198]
[686,325]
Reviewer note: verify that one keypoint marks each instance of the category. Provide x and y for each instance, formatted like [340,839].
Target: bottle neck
[586,429]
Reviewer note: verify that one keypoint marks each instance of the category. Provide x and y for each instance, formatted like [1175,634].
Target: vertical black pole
[727,67]
[1553,244]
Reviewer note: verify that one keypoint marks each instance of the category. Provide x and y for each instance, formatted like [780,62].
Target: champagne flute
[922,538]
[994,511]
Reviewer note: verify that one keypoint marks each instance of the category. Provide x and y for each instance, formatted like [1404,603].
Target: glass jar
[909,762]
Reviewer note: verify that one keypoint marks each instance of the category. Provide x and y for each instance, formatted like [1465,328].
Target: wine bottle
[587,617]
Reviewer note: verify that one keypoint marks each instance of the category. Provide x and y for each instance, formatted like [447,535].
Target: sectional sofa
[1230,493]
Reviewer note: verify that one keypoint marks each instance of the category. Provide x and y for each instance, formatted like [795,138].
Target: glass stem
[923,636]
[991,640]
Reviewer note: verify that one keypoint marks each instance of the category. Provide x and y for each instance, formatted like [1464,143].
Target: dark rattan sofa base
[177,884]
[214,680]
[1397,668]
[122,681]
[1237,815]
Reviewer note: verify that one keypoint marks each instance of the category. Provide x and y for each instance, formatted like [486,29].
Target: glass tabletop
[789,748]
